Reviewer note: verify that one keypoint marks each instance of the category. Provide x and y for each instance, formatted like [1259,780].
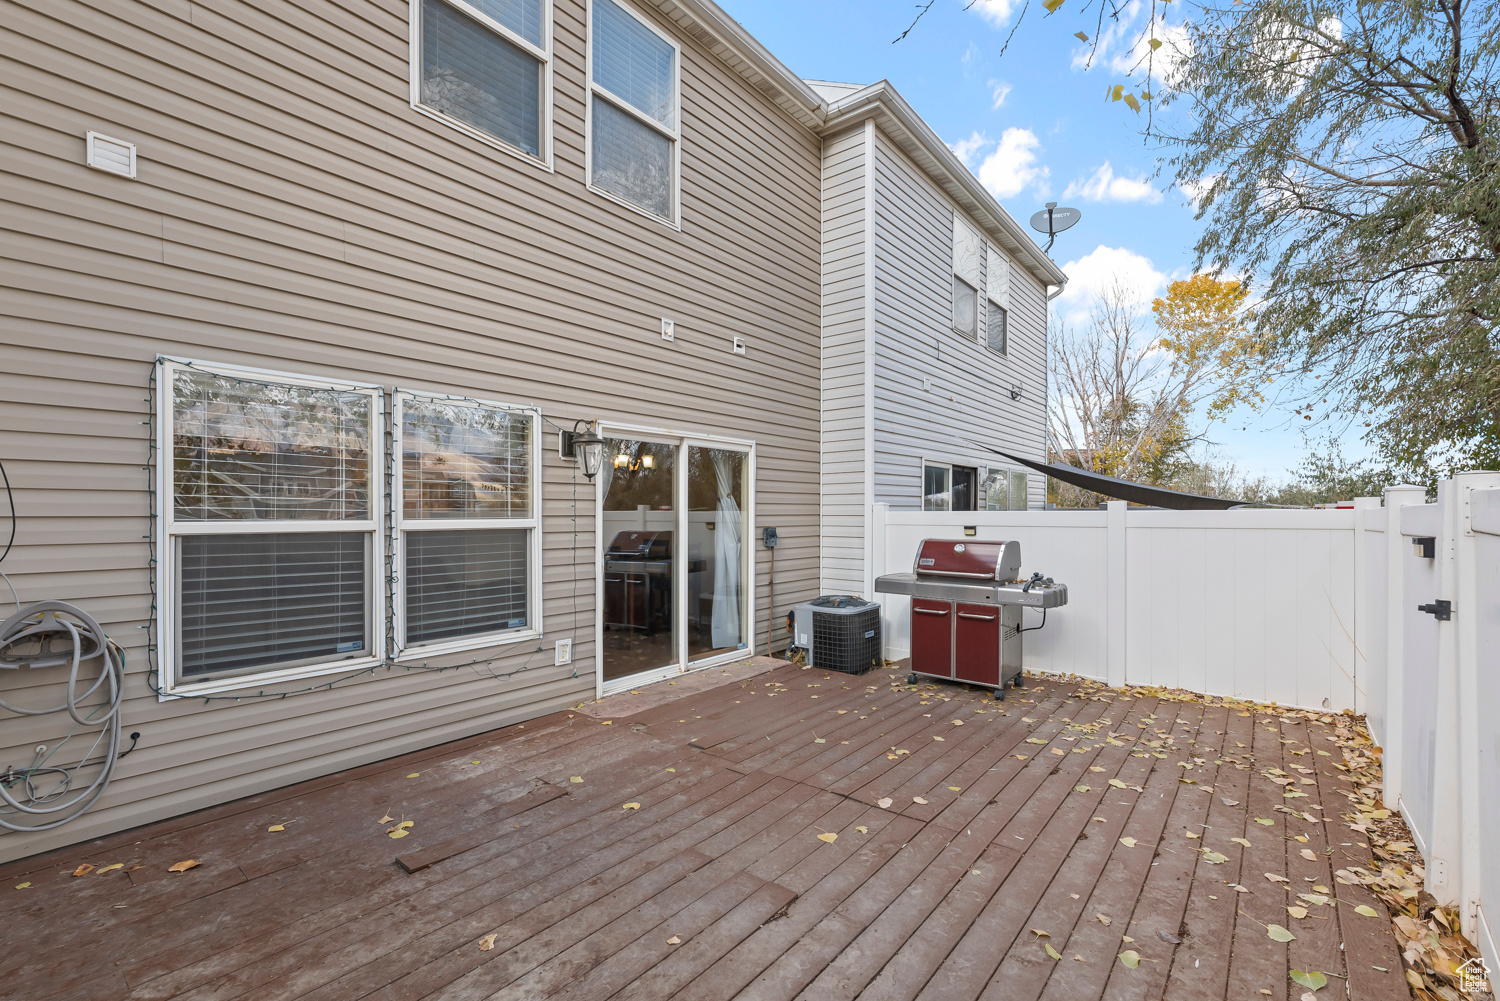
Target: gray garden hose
[53,634]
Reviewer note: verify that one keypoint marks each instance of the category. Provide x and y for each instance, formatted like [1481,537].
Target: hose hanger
[49,636]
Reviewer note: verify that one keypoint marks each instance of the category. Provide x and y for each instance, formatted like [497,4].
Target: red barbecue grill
[966,601]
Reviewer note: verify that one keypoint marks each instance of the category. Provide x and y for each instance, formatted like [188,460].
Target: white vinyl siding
[485,67]
[270,508]
[466,530]
[634,129]
[933,388]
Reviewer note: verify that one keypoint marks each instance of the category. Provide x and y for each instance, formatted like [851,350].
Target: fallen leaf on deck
[1241,841]
[862,829]
[671,769]
[1307,853]
[957,722]
[385,820]
[1118,784]
[1096,768]
[1300,837]
[83,870]
[1277,879]
[828,836]
[111,868]
[819,740]
[488,942]
[1102,920]
[183,866]
[937,738]
[576,778]
[399,832]
[1130,958]
[1367,911]
[414,775]
[1192,834]
[1169,937]
[919,799]
[1229,802]
[606,722]
[1040,934]
[1311,979]
[1237,888]
[1019,757]
[1081,788]
[1035,740]
[1279,934]
[22,886]
[674,940]
[884,803]
[1265,992]
[1126,938]
[1101,820]
[1264,822]
[1053,952]
[955,789]
[1128,842]
[631,806]
[275,827]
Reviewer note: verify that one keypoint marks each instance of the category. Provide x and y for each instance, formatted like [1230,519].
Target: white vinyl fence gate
[1309,608]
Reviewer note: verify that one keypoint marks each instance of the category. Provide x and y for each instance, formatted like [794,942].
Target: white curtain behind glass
[728,551]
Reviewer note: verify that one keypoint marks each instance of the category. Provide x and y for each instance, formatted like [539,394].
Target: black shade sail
[1125,490]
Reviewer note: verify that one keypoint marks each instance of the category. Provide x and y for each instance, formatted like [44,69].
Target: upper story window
[997,301]
[634,123]
[965,279]
[485,67]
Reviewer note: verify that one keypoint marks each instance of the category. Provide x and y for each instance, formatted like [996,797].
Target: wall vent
[113,155]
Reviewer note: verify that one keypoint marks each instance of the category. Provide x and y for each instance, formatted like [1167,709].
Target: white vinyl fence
[1435,684]
[1310,608]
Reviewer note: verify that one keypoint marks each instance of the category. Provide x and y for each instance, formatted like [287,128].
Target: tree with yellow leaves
[1206,328]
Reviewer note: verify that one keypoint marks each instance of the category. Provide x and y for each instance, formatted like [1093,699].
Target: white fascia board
[906,128]
[708,23]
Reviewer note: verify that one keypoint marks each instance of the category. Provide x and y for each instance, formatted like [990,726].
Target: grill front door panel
[932,637]
[976,651]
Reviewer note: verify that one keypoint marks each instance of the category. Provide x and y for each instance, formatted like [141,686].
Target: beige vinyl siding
[294,213]
[914,339]
[843,516]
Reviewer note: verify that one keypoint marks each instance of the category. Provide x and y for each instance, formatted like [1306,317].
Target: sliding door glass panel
[638,481]
[935,493]
[716,556]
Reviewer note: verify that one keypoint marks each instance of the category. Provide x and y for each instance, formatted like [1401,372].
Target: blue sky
[1035,127]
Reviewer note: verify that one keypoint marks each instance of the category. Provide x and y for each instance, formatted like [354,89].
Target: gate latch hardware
[1441,609]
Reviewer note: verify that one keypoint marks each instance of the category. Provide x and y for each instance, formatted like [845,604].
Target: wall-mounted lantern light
[586,446]
[1015,391]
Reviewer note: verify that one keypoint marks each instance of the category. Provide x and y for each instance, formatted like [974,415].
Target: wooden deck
[1004,836]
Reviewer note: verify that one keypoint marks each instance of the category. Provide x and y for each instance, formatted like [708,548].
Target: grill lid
[968,558]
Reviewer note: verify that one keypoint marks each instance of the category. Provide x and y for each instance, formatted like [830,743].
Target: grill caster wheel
[911,679]
[1000,694]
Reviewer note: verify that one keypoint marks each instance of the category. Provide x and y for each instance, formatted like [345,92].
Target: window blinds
[472,74]
[460,583]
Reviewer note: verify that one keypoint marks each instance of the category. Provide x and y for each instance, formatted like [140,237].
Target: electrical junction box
[668,329]
[564,653]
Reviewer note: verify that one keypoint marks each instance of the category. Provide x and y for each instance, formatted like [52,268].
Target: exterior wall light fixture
[586,446]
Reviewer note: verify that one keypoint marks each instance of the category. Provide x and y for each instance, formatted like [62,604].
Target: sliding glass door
[675,556]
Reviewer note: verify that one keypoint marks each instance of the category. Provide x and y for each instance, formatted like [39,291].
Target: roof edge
[883,102]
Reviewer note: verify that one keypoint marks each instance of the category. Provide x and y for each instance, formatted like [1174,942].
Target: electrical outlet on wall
[564,653]
[668,329]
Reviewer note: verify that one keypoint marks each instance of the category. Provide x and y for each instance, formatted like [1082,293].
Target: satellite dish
[1053,220]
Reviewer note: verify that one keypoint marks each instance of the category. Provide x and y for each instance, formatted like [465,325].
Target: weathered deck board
[717,886]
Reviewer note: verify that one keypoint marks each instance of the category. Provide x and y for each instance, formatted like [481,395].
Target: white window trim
[674,134]
[544,53]
[400,525]
[681,440]
[170,687]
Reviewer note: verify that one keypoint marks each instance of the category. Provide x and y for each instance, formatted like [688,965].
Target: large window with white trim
[485,67]
[466,522]
[633,116]
[270,508]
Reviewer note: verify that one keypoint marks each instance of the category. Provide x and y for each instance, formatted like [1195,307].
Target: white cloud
[965,149]
[1101,268]
[969,54]
[1195,190]
[1000,92]
[1012,167]
[1104,186]
[1125,46]
[996,12]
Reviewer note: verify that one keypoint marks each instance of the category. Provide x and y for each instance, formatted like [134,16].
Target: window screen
[459,583]
[1018,491]
[996,323]
[964,306]
[474,75]
[467,519]
[260,602]
[631,159]
[633,67]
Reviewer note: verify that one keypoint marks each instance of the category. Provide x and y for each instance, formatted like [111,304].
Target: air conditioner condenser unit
[839,632]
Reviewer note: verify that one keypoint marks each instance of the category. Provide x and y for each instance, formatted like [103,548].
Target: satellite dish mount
[1053,220]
